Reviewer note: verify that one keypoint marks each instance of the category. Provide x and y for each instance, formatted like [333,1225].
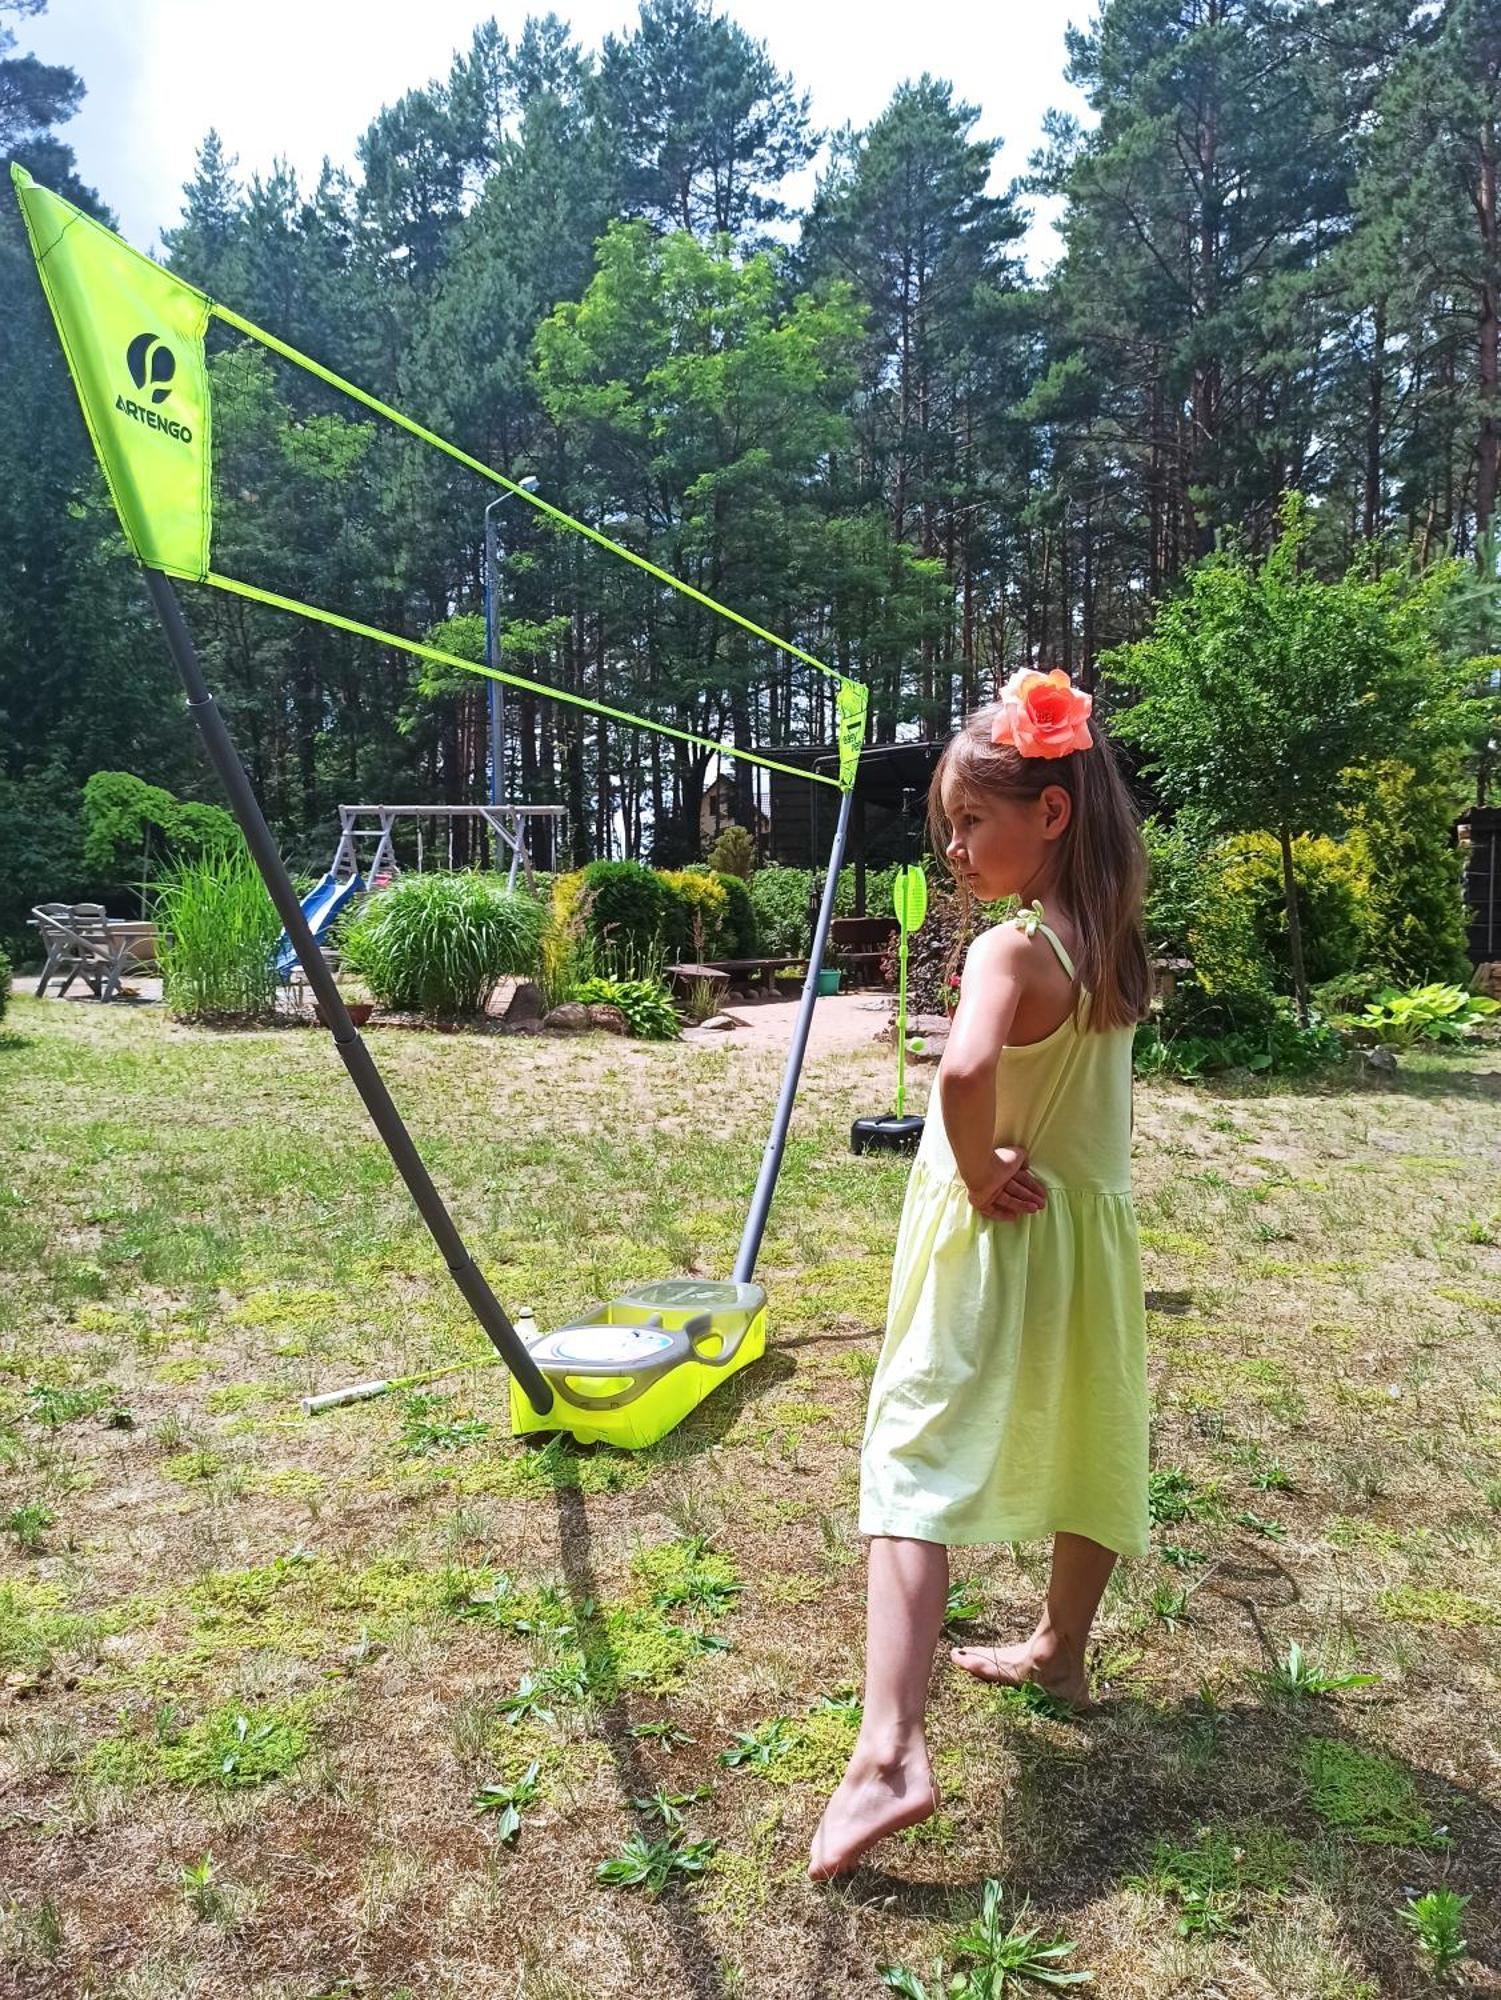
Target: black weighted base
[885,1135]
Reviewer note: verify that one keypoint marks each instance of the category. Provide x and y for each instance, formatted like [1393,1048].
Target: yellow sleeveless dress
[1010,1397]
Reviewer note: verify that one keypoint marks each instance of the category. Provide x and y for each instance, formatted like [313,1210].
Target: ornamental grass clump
[218,933]
[440,944]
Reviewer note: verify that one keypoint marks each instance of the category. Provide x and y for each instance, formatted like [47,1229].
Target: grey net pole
[771,1159]
[366,1078]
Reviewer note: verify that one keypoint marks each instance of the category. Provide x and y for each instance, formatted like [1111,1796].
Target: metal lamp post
[497,688]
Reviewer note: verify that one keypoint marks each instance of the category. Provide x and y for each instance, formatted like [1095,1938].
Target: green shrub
[1176,856]
[1400,840]
[627,912]
[219,930]
[1277,1046]
[779,897]
[739,918]
[1348,993]
[696,906]
[1330,898]
[648,1010]
[130,826]
[439,944]
[935,955]
[734,853]
[4,984]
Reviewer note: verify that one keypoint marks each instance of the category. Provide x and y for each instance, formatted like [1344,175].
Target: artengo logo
[152,365]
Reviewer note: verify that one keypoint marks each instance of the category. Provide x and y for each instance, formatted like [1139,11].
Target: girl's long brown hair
[1103,863]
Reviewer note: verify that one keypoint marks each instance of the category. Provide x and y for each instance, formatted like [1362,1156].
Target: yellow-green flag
[133,337]
[850,703]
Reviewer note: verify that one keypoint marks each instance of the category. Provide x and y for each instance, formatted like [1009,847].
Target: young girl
[1010,1400]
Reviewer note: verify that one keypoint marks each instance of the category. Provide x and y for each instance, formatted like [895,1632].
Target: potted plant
[359,1003]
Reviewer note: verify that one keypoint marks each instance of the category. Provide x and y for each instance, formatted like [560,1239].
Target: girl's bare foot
[1009,1666]
[876,1796]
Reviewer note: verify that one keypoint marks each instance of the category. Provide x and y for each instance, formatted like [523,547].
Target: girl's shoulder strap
[1031,922]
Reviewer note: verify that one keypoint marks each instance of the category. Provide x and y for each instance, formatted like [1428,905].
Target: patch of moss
[686,1572]
[641,1649]
[1173,1243]
[290,1482]
[740,1883]
[513,1748]
[1481,1302]
[1370,1797]
[190,1468]
[794,1588]
[236,1397]
[771,1511]
[299,1607]
[1258,1369]
[34,1625]
[288,1309]
[231,1747]
[814,1748]
[188,1369]
[99,1319]
[530,1472]
[1427,1605]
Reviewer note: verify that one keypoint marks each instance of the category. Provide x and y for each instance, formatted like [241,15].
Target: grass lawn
[357,1704]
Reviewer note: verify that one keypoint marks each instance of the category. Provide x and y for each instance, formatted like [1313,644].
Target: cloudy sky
[301,78]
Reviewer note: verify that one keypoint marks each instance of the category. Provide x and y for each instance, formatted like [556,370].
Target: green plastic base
[652,1414]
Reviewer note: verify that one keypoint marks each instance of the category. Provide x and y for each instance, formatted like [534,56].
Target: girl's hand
[1010,1189]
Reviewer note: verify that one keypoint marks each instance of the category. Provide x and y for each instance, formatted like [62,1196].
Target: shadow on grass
[1094,1795]
[699,1971]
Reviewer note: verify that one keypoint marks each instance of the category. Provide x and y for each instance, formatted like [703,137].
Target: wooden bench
[754,975]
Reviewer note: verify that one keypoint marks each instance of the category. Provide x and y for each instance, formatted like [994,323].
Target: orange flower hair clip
[1043,715]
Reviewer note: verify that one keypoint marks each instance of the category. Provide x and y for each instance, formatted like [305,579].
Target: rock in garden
[602,1015]
[570,1018]
[717,1022]
[525,1005]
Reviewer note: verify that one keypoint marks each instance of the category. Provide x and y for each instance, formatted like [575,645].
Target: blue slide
[320,906]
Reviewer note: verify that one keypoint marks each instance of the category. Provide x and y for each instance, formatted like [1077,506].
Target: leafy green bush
[935,954]
[1400,840]
[734,853]
[695,907]
[1348,992]
[1426,1014]
[779,897]
[1277,1047]
[4,984]
[130,826]
[439,944]
[628,909]
[739,918]
[219,930]
[1328,890]
[645,1003]
[1176,856]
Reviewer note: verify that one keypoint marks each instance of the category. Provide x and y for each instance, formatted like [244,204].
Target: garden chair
[83,948]
[54,922]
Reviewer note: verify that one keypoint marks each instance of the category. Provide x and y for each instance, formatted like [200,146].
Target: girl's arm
[992,986]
